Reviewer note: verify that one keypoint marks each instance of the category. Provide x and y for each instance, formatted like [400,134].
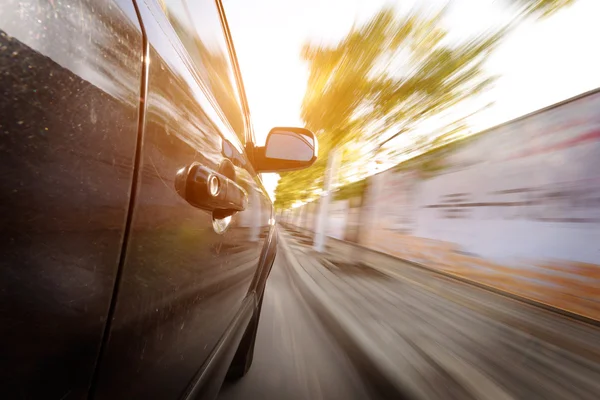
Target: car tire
[242,360]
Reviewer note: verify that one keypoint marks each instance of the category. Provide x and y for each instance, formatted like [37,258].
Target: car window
[198,25]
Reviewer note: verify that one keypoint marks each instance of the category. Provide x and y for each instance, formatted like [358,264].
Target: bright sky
[541,63]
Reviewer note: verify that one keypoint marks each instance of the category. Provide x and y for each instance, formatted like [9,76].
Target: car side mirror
[286,149]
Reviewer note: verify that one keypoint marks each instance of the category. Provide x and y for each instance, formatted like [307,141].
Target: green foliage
[389,72]
[351,190]
[299,185]
[384,78]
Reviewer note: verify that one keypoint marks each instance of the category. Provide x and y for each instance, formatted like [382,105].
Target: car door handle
[209,190]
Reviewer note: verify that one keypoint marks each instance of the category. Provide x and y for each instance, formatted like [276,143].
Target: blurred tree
[302,186]
[540,8]
[390,72]
[384,78]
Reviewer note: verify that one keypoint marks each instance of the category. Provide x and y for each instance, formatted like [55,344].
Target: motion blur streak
[461,261]
[516,207]
[433,337]
[295,356]
[434,232]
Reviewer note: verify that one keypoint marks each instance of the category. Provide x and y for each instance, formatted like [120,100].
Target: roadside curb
[372,362]
[531,302]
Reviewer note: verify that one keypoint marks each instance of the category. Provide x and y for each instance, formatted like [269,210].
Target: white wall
[521,197]
[337,218]
[526,190]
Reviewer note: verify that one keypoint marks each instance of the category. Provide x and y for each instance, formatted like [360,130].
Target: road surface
[435,337]
[295,357]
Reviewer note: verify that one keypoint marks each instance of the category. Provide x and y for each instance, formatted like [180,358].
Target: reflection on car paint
[182,283]
[67,143]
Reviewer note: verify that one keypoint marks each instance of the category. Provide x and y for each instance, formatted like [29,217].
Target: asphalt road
[435,337]
[295,357]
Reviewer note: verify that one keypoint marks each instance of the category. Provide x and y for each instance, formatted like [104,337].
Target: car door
[70,74]
[187,270]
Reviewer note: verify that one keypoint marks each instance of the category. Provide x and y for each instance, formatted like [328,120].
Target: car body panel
[110,280]
[182,284]
[70,74]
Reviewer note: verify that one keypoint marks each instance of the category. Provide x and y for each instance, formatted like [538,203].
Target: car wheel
[242,361]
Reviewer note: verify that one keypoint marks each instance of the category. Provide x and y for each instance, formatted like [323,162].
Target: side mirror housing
[286,149]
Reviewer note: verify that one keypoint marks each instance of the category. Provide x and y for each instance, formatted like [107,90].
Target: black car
[137,236]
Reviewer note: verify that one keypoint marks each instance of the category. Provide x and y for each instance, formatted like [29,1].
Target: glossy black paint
[108,278]
[187,271]
[70,74]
